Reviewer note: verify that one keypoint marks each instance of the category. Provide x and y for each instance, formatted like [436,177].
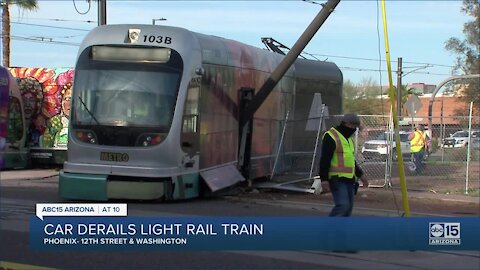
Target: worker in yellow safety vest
[338,171]
[418,141]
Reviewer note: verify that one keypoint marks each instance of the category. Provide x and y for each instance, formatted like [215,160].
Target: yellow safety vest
[343,160]
[418,141]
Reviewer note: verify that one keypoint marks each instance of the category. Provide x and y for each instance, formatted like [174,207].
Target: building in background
[422,88]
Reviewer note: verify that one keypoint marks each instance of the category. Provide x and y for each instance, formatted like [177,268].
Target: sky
[352,37]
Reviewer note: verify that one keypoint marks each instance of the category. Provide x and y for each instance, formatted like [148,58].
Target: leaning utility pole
[250,102]
[287,62]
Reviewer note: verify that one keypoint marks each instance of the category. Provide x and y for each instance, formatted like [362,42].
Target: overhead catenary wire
[383,70]
[380,59]
[359,69]
[311,54]
[49,37]
[30,39]
[54,19]
[51,26]
[24,38]
[314,55]
[79,12]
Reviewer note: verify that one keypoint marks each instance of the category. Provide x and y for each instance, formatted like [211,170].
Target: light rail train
[14,154]
[39,110]
[155,113]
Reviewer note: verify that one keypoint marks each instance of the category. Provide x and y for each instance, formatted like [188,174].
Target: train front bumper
[102,187]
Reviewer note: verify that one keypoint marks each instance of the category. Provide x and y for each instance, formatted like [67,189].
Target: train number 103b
[157,39]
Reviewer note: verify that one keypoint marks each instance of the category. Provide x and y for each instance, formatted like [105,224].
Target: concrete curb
[28,174]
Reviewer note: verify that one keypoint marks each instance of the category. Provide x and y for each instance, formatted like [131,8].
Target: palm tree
[24,4]
[406,93]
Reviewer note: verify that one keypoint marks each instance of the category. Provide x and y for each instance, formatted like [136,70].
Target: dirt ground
[425,197]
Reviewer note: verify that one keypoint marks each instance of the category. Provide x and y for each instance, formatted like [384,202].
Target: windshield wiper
[89,112]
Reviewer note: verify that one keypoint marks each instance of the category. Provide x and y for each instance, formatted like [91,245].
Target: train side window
[190,115]
[15,121]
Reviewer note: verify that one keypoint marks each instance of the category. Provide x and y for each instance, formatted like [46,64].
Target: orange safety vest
[343,160]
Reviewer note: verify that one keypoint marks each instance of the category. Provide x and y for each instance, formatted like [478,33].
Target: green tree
[23,4]
[406,93]
[362,98]
[467,50]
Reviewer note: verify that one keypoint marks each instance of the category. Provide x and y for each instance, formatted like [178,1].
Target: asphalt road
[17,205]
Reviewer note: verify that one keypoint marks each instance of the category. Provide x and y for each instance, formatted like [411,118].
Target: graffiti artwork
[46,95]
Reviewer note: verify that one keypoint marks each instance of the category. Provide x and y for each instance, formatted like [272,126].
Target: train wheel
[204,191]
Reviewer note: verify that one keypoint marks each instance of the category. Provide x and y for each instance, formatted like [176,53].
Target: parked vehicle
[378,148]
[476,142]
[460,138]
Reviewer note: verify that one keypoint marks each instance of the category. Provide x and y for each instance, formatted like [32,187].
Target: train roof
[12,83]
[214,49]
[318,69]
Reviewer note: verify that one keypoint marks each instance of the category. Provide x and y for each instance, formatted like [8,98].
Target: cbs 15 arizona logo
[442,233]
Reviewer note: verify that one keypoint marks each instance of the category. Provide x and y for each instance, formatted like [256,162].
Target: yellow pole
[401,167]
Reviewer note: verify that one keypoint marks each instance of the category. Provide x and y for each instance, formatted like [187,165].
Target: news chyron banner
[108,227]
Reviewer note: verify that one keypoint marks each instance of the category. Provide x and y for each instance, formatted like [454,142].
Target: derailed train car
[155,112]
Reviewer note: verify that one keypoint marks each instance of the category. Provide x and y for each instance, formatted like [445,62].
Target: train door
[190,140]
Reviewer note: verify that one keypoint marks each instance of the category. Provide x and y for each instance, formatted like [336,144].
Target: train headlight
[133,35]
[149,139]
[200,71]
[86,136]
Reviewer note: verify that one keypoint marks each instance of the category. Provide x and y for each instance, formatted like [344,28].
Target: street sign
[413,105]
[315,114]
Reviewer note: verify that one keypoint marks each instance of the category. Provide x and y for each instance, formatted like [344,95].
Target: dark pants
[418,160]
[343,191]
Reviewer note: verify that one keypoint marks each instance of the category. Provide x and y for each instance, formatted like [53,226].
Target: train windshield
[125,93]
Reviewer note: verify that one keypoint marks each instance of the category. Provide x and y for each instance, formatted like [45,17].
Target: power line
[383,70]
[49,40]
[311,54]
[54,19]
[51,37]
[44,40]
[71,36]
[377,60]
[50,26]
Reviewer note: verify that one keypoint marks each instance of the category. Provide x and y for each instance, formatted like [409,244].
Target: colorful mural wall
[46,94]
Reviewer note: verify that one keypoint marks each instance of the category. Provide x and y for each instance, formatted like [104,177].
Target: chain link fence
[452,163]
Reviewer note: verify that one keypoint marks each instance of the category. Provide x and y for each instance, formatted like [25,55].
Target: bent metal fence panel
[445,165]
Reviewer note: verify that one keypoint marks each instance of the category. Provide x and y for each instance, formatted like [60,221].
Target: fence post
[320,122]
[469,145]
[280,146]
[389,161]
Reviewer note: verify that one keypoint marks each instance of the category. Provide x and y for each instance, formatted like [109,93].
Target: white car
[476,143]
[460,138]
[378,148]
